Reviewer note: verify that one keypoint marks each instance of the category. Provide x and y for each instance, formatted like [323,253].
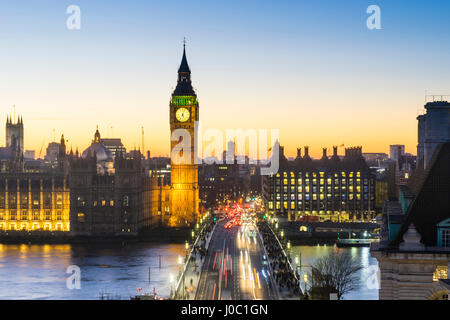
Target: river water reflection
[39,271]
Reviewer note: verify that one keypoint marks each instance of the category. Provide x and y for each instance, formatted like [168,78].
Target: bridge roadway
[235,267]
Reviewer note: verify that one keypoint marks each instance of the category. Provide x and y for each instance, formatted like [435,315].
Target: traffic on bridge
[236,265]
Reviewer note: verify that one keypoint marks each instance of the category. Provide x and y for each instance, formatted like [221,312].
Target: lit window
[440,273]
[81,217]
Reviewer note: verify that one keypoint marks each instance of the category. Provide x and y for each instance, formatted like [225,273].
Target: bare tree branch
[335,273]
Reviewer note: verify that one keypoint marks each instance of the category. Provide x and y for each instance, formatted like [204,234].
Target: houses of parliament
[102,191]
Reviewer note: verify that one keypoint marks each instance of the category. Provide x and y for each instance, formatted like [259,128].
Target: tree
[335,273]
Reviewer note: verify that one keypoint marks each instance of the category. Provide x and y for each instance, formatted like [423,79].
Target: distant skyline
[309,68]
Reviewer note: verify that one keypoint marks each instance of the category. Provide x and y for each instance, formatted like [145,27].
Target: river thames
[39,271]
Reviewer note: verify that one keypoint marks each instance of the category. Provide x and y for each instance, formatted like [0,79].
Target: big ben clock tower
[184,174]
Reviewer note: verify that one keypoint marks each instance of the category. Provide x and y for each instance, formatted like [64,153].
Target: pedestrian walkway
[286,282]
[189,284]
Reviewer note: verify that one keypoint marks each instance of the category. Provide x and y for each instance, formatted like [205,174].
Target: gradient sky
[310,68]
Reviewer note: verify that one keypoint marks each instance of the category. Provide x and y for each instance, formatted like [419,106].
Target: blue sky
[310,68]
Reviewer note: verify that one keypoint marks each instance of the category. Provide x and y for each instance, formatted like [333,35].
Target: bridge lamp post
[305,278]
[171,281]
[186,245]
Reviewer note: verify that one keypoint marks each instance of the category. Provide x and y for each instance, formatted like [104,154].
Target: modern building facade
[433,129]
[114,145]
[396,151]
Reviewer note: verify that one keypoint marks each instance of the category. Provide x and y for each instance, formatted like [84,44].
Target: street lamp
[305,277]
[282,234]
[171,280]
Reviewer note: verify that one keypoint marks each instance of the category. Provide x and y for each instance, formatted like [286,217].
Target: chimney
[282,151]
[324,153]
[299,153]
[335,151]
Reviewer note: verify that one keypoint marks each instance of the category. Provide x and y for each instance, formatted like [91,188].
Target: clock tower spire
[184,85]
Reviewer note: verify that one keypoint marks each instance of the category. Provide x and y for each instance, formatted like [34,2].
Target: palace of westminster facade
[98,193]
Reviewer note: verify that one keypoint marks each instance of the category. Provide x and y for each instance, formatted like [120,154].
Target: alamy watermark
[373,280]
[189,150]
[73,22]
[74,280]
[374,20]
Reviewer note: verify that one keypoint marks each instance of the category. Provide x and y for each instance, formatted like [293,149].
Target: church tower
[184,111]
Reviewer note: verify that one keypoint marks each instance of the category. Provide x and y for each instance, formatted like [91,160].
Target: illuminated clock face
[182,114]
